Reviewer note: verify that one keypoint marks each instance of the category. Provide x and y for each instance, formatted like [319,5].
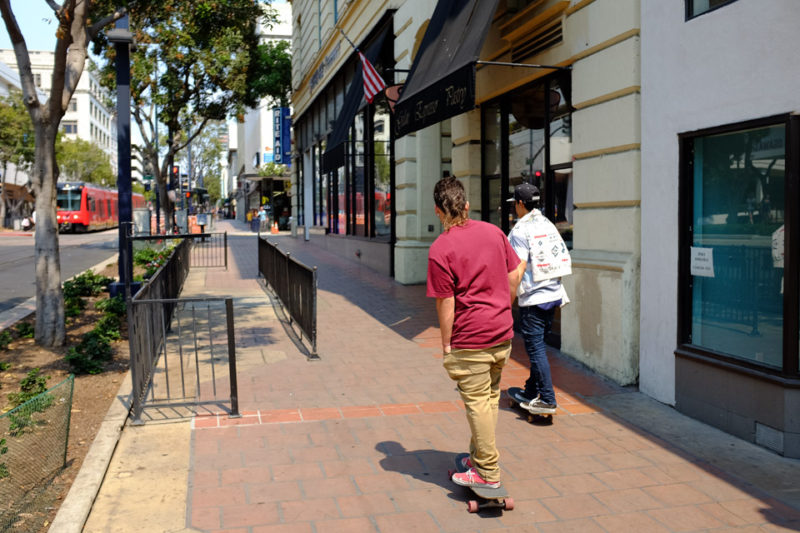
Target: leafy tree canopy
[16,132]
[81,160]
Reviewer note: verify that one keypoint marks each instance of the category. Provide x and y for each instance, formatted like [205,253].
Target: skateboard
[489,498]
[515,399]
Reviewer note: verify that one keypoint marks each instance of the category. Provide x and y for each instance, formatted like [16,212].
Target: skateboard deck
[489,498]
[516,397]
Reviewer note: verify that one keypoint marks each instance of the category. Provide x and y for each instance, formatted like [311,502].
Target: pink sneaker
[471,478]
[466,464]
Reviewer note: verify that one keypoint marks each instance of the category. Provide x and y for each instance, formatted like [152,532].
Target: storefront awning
[333,157]
[441,83]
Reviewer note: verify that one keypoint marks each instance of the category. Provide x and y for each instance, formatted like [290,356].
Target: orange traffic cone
[274,228]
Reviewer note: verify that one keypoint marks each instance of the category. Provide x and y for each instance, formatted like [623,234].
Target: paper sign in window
[702,262]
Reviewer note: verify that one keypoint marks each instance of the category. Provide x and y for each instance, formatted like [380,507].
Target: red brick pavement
[362,439]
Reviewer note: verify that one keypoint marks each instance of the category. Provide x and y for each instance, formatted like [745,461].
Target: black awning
[441,83]
[333,157]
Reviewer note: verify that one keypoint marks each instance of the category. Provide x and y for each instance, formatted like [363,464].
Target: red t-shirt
[472,262]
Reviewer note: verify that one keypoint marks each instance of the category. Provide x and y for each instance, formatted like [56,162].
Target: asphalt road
[78,252]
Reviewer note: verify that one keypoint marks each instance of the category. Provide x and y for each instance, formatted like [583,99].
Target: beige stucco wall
[600,326]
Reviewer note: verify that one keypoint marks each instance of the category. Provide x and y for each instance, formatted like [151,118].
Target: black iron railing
[295,284]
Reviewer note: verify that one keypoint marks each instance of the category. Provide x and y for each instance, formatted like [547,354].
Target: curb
[11,316]
[74,511]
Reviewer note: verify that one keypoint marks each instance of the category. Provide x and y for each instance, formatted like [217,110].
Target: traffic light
[174,177]
[188,194]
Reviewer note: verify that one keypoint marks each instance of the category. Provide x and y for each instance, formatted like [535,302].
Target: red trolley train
[86,207]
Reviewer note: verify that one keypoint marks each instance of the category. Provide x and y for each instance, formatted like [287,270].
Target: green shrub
[90,354]
[152,258]
[73,305]
[4,366]
[5,339]
[3,468]
[31,385]
[112,306]
[86,284]
[108,327]
[25,330]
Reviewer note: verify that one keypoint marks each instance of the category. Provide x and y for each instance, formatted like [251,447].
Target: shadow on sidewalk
[430,466]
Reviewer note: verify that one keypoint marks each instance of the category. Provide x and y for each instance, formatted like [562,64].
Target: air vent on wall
[538,43]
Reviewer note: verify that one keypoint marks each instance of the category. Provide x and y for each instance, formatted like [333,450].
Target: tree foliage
[81,160]
[272,75]
[196,62]
[207,150]
[16,132]
[16,141]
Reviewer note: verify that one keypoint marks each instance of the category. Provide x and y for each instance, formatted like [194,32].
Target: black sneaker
[538,407]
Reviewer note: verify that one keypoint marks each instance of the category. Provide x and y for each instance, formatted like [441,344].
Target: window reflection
[736,260]
[382,213]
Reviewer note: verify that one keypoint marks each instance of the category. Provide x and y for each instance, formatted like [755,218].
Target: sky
[37,23]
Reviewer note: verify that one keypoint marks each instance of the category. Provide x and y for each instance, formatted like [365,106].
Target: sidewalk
[361,440]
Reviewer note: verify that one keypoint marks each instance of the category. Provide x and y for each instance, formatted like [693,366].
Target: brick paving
[361,439]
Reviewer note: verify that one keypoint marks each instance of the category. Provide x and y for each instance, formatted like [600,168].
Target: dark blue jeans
[535,324]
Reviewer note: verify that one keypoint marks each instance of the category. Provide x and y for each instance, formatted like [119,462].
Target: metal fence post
[232,359]
[226,250]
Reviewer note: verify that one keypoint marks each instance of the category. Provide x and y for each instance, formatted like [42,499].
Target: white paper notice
[702,262]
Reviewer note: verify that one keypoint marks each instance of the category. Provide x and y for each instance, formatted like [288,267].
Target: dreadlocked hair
[450,198]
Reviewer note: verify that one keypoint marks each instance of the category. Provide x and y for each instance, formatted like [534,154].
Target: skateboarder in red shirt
[473,274]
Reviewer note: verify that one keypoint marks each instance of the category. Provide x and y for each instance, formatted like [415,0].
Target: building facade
[90,115]
[664,157]
[369,196]
[251,142]
[719,289]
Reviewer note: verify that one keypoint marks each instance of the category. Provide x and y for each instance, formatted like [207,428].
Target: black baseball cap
[525,192]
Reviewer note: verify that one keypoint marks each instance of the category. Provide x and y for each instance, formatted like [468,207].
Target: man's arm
[515,278]
[445,308]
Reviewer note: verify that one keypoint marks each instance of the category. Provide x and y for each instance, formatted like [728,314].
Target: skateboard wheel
[511,403]
[450,474]
[530,419]
[472,506]
[509,504]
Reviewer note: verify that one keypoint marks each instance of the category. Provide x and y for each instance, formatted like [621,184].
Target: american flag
[373,83]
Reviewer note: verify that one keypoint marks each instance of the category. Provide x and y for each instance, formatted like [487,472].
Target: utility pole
[122,39]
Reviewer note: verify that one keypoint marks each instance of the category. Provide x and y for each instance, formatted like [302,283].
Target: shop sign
[282,131]
[450,96]
[323,67]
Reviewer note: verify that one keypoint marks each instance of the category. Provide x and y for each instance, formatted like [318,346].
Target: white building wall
[94,121]
[255,135]
[9,81]
[729,65]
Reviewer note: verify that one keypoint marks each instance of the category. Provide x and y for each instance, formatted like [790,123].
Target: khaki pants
[477,373]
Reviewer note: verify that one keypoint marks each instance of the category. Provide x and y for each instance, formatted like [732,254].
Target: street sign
[282,133]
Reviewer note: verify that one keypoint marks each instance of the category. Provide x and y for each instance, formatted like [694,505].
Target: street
[78,252]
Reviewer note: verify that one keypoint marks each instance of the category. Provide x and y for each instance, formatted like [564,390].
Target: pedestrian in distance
[544,258]
[473,275]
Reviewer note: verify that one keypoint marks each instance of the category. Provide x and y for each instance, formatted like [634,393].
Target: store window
[381,143]
[357,189]
[527,137]
[698,7]
[734,200]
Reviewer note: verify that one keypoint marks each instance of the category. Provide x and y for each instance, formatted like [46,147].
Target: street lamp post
[122,38]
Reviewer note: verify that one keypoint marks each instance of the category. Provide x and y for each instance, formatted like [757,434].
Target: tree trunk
[50,329]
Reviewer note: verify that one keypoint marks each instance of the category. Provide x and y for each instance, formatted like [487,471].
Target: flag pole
[346,38]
